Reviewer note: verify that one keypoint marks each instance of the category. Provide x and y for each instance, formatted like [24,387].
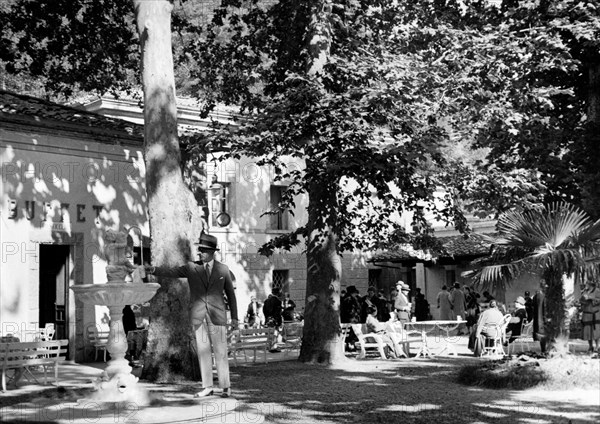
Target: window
[279,221]
[219,204]
[281,280]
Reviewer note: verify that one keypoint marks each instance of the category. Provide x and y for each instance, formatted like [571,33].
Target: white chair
[98,340]
[368,340]
[292,334]
[493,346]
[526,336]
[48,332]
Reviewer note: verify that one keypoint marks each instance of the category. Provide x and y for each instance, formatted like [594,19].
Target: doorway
[54,287]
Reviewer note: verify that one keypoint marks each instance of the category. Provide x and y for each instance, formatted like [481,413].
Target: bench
[21,356]
[251,338]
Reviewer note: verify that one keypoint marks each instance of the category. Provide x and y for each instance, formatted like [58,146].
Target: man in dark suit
[208,279]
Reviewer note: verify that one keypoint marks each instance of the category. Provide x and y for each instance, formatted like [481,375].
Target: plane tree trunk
[171,206]
[321,341]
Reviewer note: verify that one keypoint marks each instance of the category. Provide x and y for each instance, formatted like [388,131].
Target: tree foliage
[87,45]
[367,123]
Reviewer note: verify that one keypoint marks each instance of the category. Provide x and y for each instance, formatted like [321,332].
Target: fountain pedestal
[117,383]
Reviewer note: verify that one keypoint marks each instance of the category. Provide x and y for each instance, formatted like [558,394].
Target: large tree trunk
[171,206]
[556,328]
[321,340]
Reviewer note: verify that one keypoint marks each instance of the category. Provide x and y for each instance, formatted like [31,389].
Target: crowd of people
[376,308]
[480,311]
[354,307]
[525,309]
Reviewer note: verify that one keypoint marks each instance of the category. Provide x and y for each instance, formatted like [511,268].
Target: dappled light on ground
[281,392]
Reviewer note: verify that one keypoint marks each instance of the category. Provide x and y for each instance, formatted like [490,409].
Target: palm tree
[556,241]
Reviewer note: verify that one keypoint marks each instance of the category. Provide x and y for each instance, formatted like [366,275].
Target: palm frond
[500,274]
[558,237]
[566,220]
[588,235]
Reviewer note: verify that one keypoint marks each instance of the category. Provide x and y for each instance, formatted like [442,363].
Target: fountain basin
[117,384]
[115,293]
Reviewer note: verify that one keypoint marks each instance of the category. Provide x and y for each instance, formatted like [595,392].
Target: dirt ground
[399,391]
[286,391]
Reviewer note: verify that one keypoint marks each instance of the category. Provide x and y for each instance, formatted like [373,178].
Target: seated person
[487,325]
[393,325]
[374,326]
[519,316]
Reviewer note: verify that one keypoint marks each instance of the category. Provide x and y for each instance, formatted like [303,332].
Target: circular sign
[223,219]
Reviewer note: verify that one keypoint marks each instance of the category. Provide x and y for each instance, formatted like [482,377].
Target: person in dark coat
[539,312]
[128,319]
[272,309]
[528,306]
[472,312]
[351,306]
[350,312]
[289,308]
[383,312]
[421,306]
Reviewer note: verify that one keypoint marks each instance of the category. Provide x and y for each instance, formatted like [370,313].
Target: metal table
[425,327]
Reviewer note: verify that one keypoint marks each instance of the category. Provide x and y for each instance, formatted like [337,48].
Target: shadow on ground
[403,391]
[365,391]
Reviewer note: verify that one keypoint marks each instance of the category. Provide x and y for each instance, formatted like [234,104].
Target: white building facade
[67,176]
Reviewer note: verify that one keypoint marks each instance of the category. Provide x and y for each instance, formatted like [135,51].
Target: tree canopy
[512,82]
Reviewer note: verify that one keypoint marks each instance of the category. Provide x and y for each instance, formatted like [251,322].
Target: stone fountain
[124,287]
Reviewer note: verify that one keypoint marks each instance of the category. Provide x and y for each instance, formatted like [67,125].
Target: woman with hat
[402,305]
[519,316]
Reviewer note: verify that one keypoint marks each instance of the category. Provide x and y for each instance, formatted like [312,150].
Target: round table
[425,327]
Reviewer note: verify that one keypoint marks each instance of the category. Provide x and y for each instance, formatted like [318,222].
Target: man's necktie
[207,269]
